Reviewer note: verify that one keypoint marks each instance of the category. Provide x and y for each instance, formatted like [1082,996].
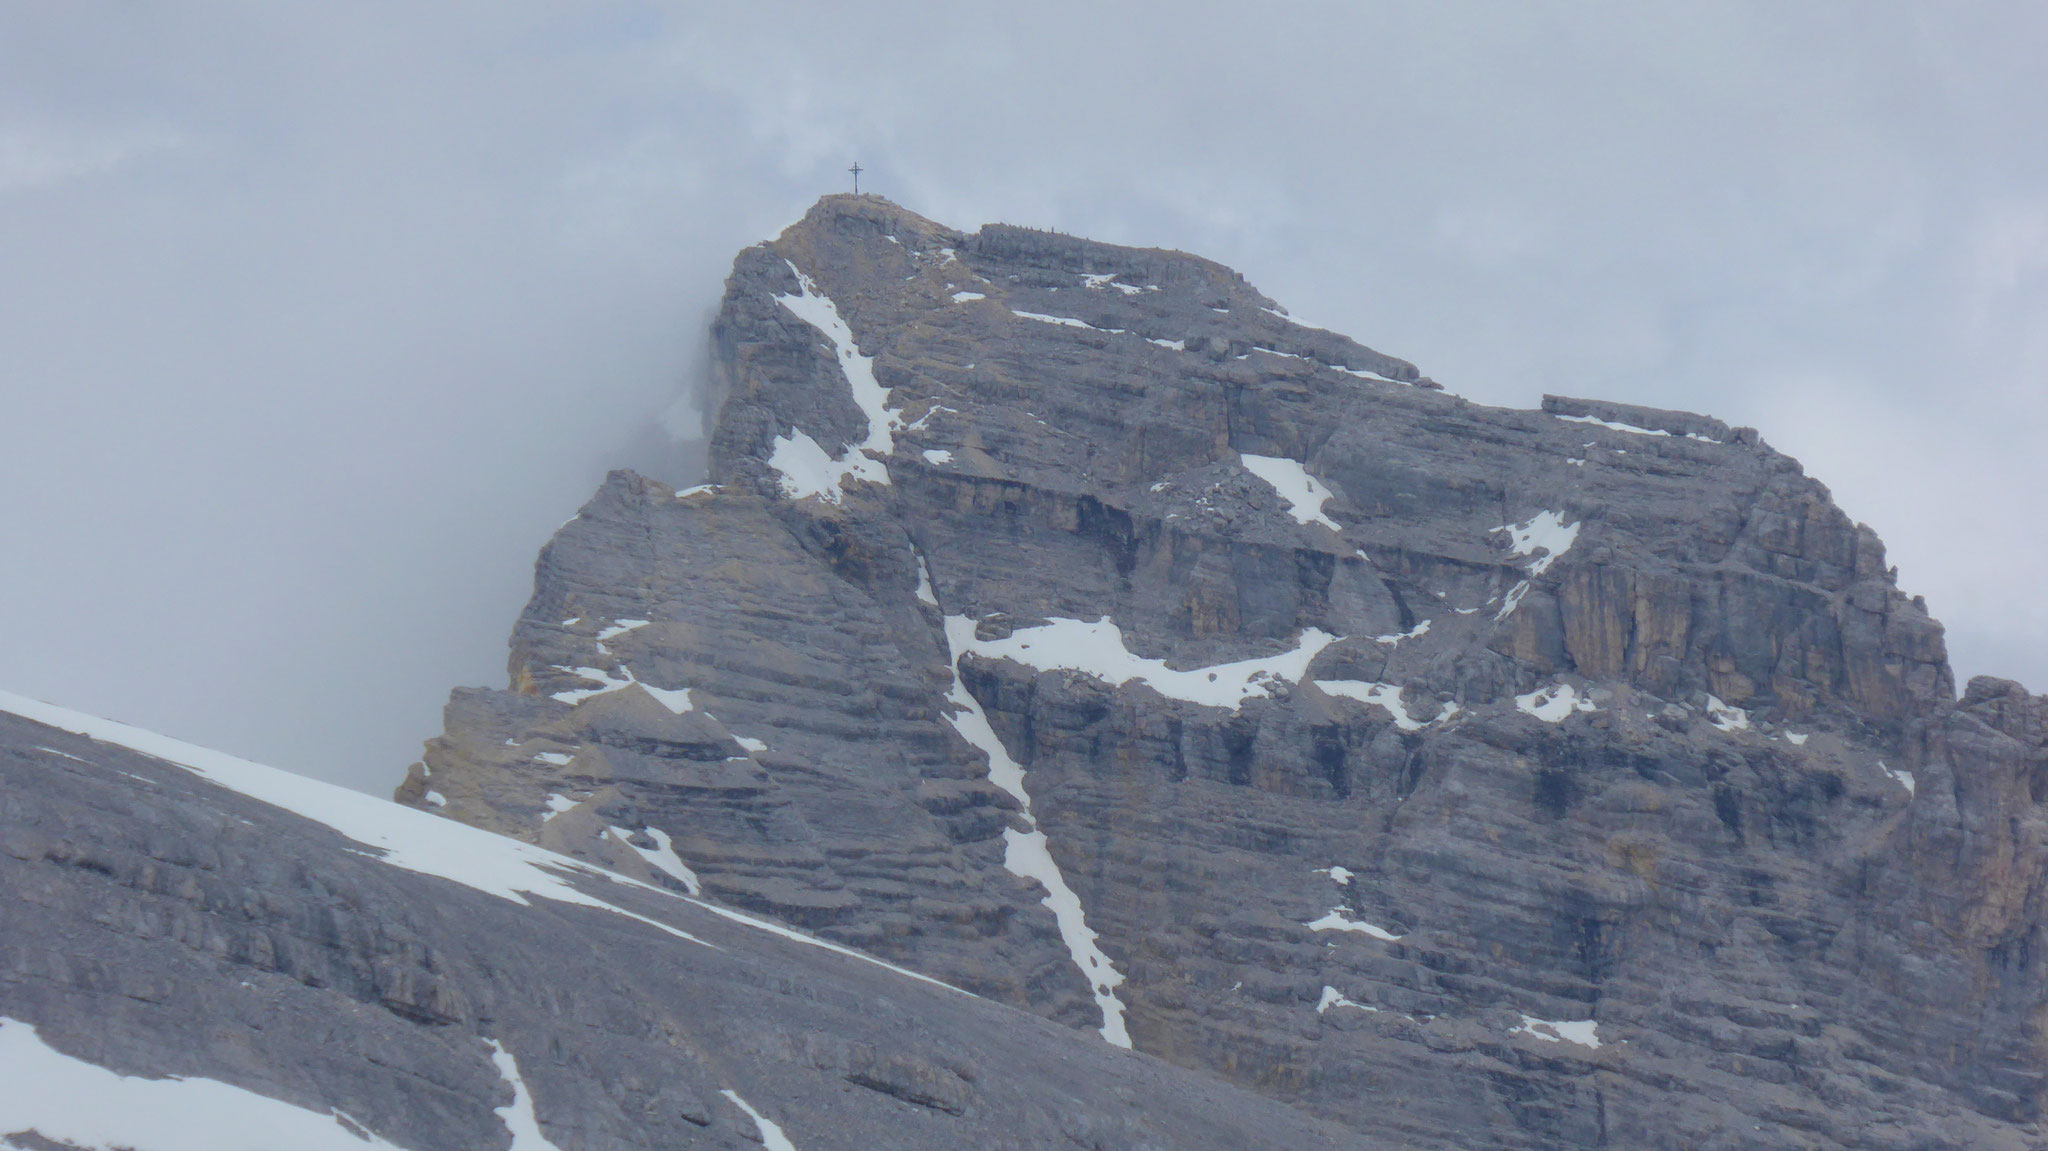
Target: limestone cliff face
[1068,623]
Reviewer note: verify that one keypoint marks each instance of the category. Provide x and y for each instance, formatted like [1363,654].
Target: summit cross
[856,177]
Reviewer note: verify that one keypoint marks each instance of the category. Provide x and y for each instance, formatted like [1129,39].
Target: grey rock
[157,924]
[1719,864]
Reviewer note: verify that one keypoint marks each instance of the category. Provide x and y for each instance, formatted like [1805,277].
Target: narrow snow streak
[1097,649]
[807,469]
[1416,632]
[1333,998]
[1303,494]
[1336,920]
[1062,321]
[1026,854]
[772,1137]
[1584,1032]
[518,1115]
[1632,429]
[81,1104]
[1514,601]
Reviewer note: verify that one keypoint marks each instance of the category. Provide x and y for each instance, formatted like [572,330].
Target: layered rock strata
[201,952]
[1071,624]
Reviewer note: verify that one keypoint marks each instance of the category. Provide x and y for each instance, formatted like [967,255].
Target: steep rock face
[320,968]
[1067,622]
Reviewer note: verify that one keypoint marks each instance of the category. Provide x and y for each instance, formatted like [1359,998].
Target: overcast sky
[316,320]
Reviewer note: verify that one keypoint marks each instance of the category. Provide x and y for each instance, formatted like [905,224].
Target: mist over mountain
[318,322]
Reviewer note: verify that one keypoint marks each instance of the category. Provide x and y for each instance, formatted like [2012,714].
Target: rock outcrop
[1070,624]
[200,952]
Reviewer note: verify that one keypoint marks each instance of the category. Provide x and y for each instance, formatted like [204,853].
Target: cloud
[32,157]
[319,320]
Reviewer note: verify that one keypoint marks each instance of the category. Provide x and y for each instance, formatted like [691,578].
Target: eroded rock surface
[287,948]
[1066,622]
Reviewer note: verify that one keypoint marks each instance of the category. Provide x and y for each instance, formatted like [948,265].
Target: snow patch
[926,594]
[1584,1032]
[1903,778]
[557,804]
[558,758]
[677,701]
[1026,853]
[1551,703]
[662,856]
[518,1115]
[772,1137]
[1339,874]
[1384,695]
[698,490]
[1332,998]
[1336,920]
[80,1104]
[1174,345]
[1620,427]
[751,744]
[437,799]
[1303,494]
[1724,717]
[938,456]
[1097,649]
[1545,532]
[1796,739]
[620,627]
[964,297]
[578,695]
[807,469]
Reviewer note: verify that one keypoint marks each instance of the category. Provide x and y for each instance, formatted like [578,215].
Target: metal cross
[856,177]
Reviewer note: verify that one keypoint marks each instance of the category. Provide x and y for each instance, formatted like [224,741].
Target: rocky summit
[1071,626]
